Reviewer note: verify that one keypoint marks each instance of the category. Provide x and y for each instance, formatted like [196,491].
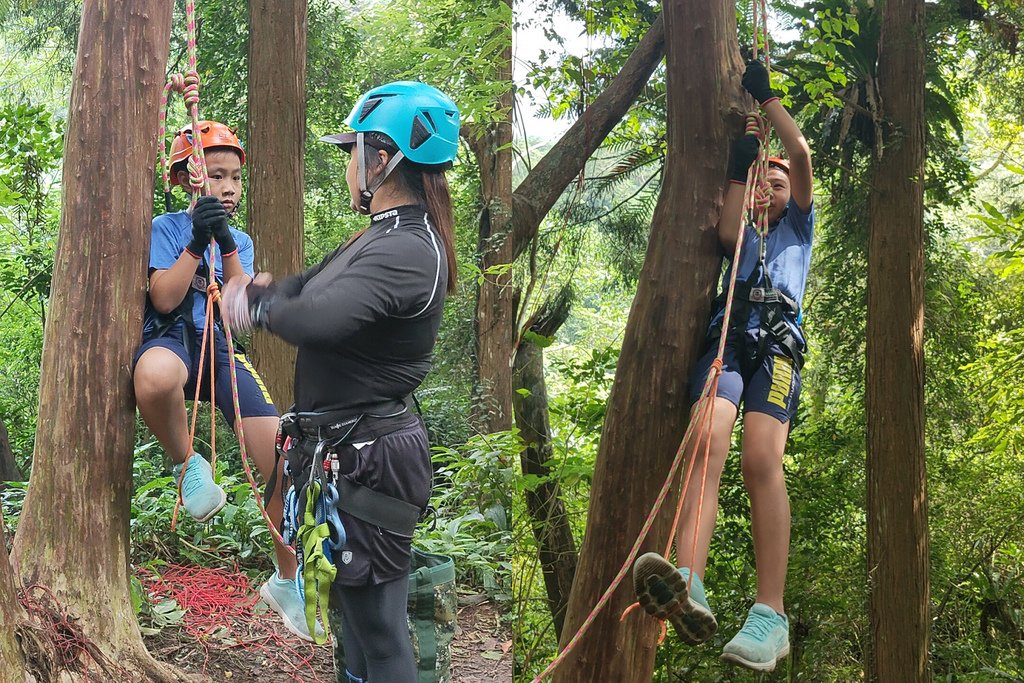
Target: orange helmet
[773,162]
[214,136]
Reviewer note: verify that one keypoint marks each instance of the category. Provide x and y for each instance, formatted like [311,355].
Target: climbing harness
[775,307]
[316,491]
[188,86]
[757,199]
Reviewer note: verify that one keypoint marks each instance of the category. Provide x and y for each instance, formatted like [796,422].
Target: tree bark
[557,548]
[12,669]
[896,495]
[497,298]
[648,404]
[505,234]
[73,533]
[8,467]
[277,136]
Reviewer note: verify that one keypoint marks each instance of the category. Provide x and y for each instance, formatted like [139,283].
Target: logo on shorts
[782,381]
[346,557]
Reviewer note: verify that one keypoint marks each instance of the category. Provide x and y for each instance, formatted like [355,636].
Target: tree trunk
[73,534]
[505,234]
[277,135]
[12,669]
[648,404]
[557,548]
[8,467]
[896,495]
[497,299]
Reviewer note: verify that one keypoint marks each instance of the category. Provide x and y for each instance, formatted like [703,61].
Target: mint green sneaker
[199,494]
[762,642]
[283,596]
[661,590]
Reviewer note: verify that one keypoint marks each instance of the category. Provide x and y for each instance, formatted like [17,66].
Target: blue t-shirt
[171,234]
[788,258]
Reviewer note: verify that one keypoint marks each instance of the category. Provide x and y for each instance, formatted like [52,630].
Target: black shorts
[253,398]
[398,465]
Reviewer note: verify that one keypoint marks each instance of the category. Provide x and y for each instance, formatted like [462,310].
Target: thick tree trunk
[73,533]
[896,497]
[277,135]
[648,404]
[12,669]
[497,299]
[557,548]
[8,467]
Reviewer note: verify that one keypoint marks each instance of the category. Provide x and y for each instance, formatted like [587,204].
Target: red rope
[71,648]
[219,600]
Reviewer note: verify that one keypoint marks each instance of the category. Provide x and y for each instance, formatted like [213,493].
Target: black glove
[744,151]
[201,236]
[210,214]
[260,299]
[756,82]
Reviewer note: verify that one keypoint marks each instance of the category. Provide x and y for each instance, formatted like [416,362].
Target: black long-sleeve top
[365,319]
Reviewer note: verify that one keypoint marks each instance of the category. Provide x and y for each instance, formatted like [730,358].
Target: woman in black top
[365,321]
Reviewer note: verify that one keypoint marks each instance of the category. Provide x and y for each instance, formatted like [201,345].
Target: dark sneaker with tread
[661,590]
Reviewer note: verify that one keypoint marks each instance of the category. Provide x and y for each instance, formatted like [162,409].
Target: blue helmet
[422,121]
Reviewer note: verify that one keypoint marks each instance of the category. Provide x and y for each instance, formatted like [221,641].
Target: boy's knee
[157,376]
[759,466]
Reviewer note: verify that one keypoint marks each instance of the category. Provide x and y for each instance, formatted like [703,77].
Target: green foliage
[473,500]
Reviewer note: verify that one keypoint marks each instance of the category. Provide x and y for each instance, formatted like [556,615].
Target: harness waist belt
[376,508]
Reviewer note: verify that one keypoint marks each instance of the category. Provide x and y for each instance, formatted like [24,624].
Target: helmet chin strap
[366,192]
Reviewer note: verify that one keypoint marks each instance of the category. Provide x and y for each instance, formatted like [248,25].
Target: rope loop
[190,90]
[176,82]
[196,174]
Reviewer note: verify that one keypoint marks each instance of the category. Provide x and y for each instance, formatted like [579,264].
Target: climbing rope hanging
[757,199]
[188,85]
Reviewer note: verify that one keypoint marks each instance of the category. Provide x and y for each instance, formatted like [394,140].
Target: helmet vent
[426,115]
[420,133]
[368,108]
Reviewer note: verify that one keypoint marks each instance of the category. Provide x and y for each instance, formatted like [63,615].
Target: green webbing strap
[426,631]
[317,571]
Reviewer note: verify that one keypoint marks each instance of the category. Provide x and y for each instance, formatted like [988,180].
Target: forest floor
[258,647]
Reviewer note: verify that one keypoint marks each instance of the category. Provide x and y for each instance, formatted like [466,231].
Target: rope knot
[756,125]
[213,289]
[190,89]
[196,176]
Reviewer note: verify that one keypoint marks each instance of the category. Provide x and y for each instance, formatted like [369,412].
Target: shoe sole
[763,667]
[273,604]
[661,591]
[220,506]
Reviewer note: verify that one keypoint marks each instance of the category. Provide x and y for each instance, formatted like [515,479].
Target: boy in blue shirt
[761,369]
[167,364]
